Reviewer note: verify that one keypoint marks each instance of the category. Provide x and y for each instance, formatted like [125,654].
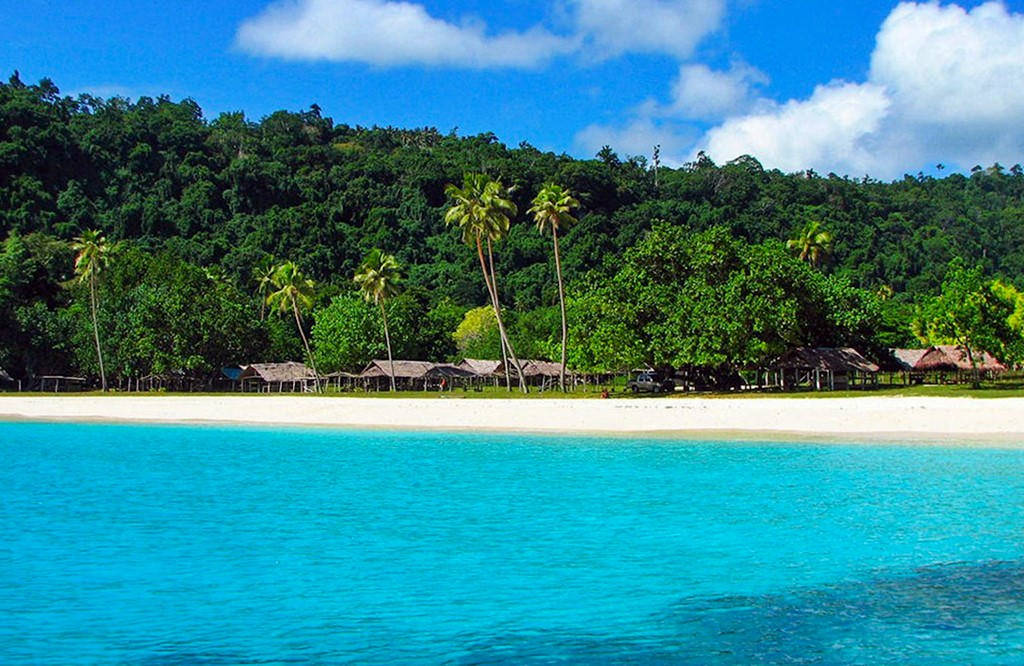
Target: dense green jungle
[686,266]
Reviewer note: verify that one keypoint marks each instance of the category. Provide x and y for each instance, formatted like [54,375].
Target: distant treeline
[204,206]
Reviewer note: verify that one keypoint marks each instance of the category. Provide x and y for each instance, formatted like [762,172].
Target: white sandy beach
[935,419]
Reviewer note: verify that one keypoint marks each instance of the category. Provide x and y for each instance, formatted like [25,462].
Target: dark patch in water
[957,613]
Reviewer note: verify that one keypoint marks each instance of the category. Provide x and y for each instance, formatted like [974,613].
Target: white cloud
[945,85]
[398,32]
[382,32]
[700,92]
[675,27]
[833,130]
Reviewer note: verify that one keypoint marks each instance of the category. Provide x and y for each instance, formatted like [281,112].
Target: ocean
[226,545]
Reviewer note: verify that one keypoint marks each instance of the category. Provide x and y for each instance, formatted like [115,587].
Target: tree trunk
[96,331]
[305,343]
[497,314]
[561,302]
[494,286]
[975,374]
[387,339]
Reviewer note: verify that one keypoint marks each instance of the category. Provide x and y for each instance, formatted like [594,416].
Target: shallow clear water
[226,545]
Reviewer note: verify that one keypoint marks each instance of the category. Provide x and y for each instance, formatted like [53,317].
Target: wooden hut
[957,359]
[826,368]
[340,380]
[278,377]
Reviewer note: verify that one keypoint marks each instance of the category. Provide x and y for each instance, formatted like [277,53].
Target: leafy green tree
[482,208]
[477,335]
[93,256]
[378,278]
[965,313]
[552,211]
[813,244]
[295,292]
[346,334]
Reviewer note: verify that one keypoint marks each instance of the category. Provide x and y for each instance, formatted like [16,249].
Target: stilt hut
[484,371]
[409,375]
[290,376]
[985,363]
[340,380]
[826,368]
[544,374]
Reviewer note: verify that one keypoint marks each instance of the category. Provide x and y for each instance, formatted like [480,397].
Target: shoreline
[864,419]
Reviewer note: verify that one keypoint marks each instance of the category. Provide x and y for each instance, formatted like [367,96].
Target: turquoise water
[167,545]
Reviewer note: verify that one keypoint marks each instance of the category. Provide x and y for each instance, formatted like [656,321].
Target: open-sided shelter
[278,377]
[826,368]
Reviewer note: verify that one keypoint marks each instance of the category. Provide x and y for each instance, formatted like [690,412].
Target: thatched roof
[836,359]
[482,368]
[403,369]
[449,370]
[908,359]
[957,356]
[291,371]
[532,368]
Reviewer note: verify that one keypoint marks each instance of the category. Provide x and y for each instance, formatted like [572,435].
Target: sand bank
[935,419]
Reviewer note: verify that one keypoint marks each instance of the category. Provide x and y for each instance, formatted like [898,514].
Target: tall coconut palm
[813,245]
[482,209]
[552,211]
[378,278]
[295,292]
[263,274]
[93,257]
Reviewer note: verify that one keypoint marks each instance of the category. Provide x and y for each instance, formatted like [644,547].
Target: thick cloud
[393,33]
[836,126]
[674,27]
[945,85]
[386,33]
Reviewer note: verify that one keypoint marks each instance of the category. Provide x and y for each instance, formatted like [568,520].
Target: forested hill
[206,205]
[229,192]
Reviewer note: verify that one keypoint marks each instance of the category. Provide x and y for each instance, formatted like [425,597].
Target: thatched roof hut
[830,359]
[483,368]
[449,370]
[403,369]
[908,360]
[957,356]
[274,373]
[532,368]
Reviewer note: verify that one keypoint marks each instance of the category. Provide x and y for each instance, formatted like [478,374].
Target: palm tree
[552,210]
[263,274]
[94,256]
[814,244]
[294,292]
[378,278]
[482,209]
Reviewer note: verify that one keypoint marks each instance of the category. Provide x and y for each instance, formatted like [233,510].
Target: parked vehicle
[651,382]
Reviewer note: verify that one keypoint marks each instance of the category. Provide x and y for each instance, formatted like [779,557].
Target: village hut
[484,370]
[826,368]
[957,360]
[340,380]
[542,373]
[278,377]
[409,375]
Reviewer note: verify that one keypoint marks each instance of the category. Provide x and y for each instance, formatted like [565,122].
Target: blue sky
[877,88]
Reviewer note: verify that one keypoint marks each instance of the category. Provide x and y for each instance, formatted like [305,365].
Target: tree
[295,292]
[378,278]
[263,275]
[477,334]
[552,211]
[93,256]
[482,208]
[813,244]
[966,313]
